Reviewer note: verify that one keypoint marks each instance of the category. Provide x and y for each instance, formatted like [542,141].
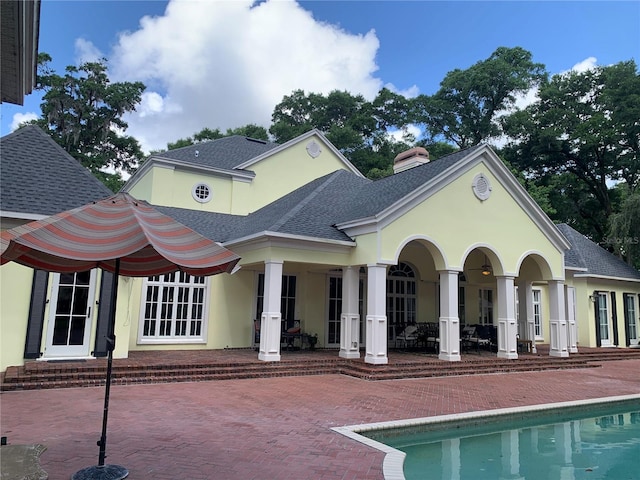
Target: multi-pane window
[174,308]
[401,298]
[537,313]
[485,307]
[335,310]
[287,299]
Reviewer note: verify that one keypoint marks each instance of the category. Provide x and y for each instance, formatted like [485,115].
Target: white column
[271,320]
[451,461]
[572,327]
[350,318]
[510,455]
[507,328]
[449,321]
[376,347]
[525,307]
[557,320]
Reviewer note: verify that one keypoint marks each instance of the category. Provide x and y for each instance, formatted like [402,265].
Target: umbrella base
[101,472]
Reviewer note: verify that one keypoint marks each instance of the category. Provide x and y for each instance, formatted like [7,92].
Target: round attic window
[481,186]
[201,192]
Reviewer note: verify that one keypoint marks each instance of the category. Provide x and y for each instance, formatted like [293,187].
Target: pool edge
[393,464]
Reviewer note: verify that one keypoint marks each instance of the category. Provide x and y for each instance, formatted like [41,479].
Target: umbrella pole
[102,471]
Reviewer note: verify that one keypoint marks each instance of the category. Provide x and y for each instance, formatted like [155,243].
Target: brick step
[90,379]
[17,375]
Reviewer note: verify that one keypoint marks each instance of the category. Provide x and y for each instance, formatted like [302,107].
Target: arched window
[401,298]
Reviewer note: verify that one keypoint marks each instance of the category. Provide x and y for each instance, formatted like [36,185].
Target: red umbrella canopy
[146,241]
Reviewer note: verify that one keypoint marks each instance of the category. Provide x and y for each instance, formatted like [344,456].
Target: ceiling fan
[485,269]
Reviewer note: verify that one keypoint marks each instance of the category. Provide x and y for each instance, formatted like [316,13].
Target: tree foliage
[83,111]
[583,130]
[206,134]
[466,109]
[624,230]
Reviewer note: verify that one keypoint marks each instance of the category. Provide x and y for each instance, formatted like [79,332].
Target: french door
[631,317]
[70,314]
[602,317]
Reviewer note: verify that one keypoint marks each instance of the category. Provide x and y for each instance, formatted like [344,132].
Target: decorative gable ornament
[313,149]
[481,187]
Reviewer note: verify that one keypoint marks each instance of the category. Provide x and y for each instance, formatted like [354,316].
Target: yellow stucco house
[448,243]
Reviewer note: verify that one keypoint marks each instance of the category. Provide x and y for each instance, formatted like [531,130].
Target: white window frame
[537,312]
[485,306]
[160,281]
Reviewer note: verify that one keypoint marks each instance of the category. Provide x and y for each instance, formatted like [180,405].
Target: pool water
[604,445]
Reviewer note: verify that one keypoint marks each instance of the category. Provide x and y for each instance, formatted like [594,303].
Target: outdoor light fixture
[486,268]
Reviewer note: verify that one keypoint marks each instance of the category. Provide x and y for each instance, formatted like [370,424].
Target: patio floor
[269,428]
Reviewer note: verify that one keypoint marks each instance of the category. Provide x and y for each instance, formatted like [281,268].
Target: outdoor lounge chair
[408,336]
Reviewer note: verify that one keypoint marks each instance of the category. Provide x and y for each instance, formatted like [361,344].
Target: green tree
[82,110]
[358,128]
[624,230]
[585,128]
[466,108]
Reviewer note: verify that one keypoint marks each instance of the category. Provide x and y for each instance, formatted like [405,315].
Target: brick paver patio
[272,428]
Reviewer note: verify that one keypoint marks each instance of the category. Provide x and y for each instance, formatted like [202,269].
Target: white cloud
[411,131]
[585,65]
[20,118]
[86,51]
[411,92]
[227,64]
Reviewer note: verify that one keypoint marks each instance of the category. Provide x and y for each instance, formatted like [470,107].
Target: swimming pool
[591,439]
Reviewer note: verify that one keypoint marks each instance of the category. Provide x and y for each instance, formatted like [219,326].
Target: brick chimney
[410,158]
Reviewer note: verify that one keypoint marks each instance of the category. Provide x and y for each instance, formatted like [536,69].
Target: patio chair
[432,336]
[408,336]
[293,331]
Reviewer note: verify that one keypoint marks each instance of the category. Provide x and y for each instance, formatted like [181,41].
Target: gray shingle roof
[38,177]
[225,153]
[314,209]
[585,254]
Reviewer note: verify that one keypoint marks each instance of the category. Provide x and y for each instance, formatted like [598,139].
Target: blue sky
[221,64]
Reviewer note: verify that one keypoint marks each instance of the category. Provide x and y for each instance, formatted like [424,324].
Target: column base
[573,350]
[347,354]
[508,355]
[450,357]
[269,357]
[376,360]
[558,354]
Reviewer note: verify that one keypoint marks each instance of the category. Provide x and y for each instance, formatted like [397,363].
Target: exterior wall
[15,285]
[287,170]
[449,215]
[585,308]
[172,187]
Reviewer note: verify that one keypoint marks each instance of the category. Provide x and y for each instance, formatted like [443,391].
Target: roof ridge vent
[410,158]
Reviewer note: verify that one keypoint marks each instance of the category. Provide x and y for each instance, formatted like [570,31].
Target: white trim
[299,139]
[172,164]
[276,239]
[606,277]
[21,215]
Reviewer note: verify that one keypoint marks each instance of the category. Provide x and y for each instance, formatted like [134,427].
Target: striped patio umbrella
[120,227]
[121,235]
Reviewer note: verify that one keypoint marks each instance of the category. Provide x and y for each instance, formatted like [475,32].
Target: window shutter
[614,318]
[35,321]
[102,323]
[596,308]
